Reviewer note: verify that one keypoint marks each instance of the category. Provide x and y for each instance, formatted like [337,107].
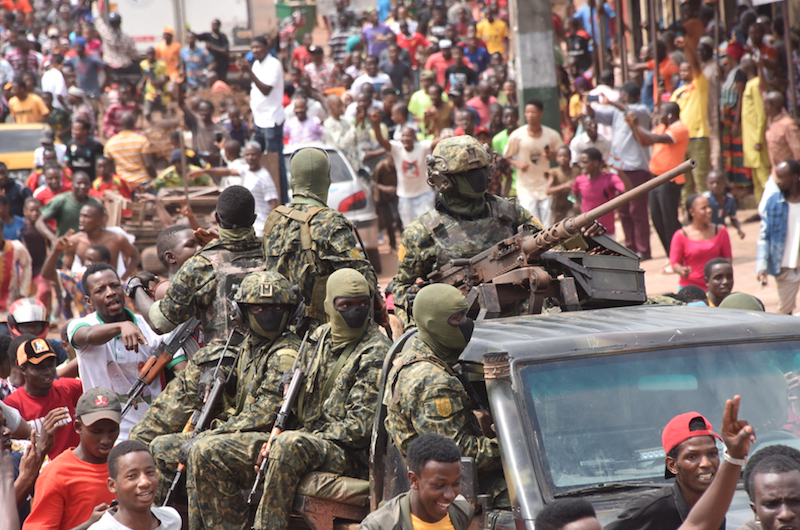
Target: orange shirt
[67,491]
[18,5]
[666,69]
[666,156]
[171,55]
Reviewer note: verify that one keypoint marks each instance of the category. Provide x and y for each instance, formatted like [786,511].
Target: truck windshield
[599,419]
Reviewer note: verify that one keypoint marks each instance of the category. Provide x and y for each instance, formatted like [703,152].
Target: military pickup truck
[579,400]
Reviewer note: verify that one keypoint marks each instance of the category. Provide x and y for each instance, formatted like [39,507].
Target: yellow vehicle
[17,144]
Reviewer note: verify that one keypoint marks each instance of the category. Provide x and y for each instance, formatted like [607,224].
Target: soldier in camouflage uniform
[336,407]
[423,394]
[201,287]
[307,241]
[465,222]
[219,462]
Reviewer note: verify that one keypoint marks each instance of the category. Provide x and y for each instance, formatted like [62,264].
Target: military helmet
[265,287]
[457,155]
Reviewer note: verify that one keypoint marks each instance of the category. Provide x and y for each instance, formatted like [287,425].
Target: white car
[349,195]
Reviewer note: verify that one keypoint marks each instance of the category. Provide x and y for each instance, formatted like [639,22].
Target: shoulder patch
[443,407]
[401,253]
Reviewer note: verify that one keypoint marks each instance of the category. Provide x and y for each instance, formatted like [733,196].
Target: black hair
[402,109]
[175,136]
[94,268]
[536,103]
[438,87]
[696,424]
[206,102]
[661,50]
[371,57]
[236,207]
[167,240]
[633,91]
[689,202]
[672,108]
[770,459]
[388,90]
[713,263]
[99,208]
[593,153]
[31,200]
[15,343]
[19,80]
[51,164]
[511,108]
[121,449]
[85,124]
[562,512]
[692,293]
[431,447]
[606,77]
[777,26]
[261,40]
[793,165]
[105,254]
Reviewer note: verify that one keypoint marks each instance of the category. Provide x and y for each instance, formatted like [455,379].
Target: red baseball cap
[677,431]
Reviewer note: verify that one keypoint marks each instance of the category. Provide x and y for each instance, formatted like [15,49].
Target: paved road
[656,282]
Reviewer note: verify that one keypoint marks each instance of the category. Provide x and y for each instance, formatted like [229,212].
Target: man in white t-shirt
[530,149]
[255,178]
[53,82]
[112,343]
[415,196]
[372,76]
[266,104]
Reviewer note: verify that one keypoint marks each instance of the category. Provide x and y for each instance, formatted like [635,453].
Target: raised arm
[131,257]
[375,119]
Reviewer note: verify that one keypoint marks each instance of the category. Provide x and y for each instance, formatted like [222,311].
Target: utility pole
[534,58]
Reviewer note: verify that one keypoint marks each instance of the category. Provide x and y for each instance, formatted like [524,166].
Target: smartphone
[219,137]
[592,99]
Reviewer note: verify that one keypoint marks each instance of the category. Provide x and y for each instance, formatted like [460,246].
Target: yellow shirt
[29,111]
[493,33]
[444,524]
[754,126]
[575,105]
[692,98]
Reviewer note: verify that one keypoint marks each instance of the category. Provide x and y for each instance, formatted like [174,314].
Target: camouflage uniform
[196,289]
[334,430]
[423,396]
[307,259]
[441,234]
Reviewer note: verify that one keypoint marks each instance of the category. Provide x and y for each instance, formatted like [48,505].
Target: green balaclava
[433,306]
[346,326]
[466,162]
[310,174]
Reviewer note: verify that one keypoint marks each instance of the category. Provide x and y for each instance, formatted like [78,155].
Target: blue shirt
[718,212]
[772,235]
[647,91]
[14,230]
[87,70]
[384,7]
[584,14]
[480,59]
[194,61]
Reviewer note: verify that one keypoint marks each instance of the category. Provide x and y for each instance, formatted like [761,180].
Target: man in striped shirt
[130,152]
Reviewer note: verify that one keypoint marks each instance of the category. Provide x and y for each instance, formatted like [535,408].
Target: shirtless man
[92,233]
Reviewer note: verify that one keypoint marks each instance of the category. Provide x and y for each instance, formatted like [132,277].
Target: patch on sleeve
[401,253]
[355,253]
[444,407]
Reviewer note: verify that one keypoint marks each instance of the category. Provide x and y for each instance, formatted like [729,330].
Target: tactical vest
[315,304]
[230,268]
[463,238]
[399,363]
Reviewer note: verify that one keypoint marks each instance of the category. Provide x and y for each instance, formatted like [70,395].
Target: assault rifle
[298,378]
[156,363]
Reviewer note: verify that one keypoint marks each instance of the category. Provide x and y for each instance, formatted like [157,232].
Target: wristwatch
[735,461]
[133,284]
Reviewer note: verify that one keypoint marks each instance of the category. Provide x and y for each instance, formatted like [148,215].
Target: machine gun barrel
[569,228]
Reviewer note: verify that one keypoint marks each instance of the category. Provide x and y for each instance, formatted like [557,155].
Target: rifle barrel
[569,228]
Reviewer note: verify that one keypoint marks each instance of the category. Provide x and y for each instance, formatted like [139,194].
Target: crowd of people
[422,99]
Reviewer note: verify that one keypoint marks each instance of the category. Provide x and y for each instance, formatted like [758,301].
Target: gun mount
[590,272]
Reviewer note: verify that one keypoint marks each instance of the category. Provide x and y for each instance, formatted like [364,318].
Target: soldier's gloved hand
[143,280]
[594,229]
[206,380]
[183,454]
[286,378]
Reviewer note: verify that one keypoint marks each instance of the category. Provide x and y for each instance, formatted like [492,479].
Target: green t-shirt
[420,101]
[66,211]
[499,143]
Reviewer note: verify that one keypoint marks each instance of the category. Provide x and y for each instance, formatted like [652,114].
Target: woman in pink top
[697,243]
[594,187]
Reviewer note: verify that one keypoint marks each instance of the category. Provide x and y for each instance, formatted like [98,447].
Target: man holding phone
[206,135]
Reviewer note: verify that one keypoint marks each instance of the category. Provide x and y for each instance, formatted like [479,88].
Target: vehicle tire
[374,258]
